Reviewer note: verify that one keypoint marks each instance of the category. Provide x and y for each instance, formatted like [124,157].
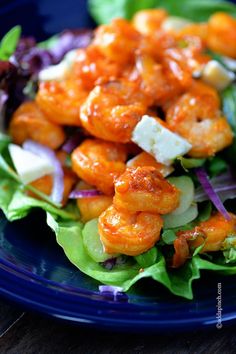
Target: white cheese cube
[159,141]
[53,72]
[29,166]
[58,72]
[174,23]
[216,75]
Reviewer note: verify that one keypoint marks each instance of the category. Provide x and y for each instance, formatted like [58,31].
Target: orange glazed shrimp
[144,189]
[212,233]
[61,100]
[145,159]
[92,68]
[92,207]
[156,81]
[148,22]
[221,34]
[45,184]
[117,41]
[98,163]
[126,233]
[196,117]
[28,122]
[198,30]
[111,111]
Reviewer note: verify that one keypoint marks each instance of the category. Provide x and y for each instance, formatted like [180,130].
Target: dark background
[40,17]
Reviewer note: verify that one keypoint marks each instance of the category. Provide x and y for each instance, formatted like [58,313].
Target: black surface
[35,334]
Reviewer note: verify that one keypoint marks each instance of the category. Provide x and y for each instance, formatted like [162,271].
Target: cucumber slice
[186,187]
[92,242]
[148,258]
[171,221]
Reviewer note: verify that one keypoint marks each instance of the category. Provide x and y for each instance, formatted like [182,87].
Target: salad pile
[125,136]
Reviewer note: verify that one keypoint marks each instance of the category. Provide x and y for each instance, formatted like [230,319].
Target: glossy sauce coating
[144,189]
[28,122]
[98,163]
[126,233]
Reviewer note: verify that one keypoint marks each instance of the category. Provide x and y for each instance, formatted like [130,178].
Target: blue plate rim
[70,304]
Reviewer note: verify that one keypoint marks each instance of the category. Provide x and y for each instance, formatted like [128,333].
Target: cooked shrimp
[28,122]
[117,40]
[45,184]
[177,67]
[148,22]
[197,30]
[157,81]
[111,111]
[92,207]
[196,117]
[221,34]
[214,231]
[92,68]
[126,233]
[144,159]
[211,233]
[61,100]
[144,189]
[193,49]
[98,163]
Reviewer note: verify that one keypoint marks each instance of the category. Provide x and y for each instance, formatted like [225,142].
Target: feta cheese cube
[216,75]
[58,72]
[29,166]
[159,141]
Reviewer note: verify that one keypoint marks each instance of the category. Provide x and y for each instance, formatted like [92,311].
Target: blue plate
[33,269]
[35,273]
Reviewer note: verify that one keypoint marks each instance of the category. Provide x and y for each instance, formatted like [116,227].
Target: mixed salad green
[78,240]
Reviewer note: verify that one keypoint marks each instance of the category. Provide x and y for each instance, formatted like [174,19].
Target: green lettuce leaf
[228,97]
[4,141]
[229,105]
[49,43]
[188,163]
[178,281]
[9,42]
[103,11]
[229,249]
[14,200]
[216,165]
[16,204]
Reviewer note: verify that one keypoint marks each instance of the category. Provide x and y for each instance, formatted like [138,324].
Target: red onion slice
[224,185]
[85,193]
[109,289]
[208,188]
[72,143]
[58,176]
